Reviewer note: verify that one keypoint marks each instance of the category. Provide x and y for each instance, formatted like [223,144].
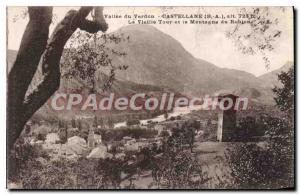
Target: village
[95,146]
[126,141]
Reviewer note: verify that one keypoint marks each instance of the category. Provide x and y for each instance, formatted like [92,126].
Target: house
[77,145]
[159,127]
[66,151]
[100,152]
[76,140]
[52,138]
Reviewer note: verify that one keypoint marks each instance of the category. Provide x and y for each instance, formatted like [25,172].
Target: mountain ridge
[157,59]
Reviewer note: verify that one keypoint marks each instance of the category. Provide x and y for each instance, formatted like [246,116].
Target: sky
[207,42]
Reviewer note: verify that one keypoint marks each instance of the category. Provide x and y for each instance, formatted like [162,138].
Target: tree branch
[92,26]
[20,108]
[51,58]
[98,24]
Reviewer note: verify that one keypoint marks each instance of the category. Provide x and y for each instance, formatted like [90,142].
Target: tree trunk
[34,45]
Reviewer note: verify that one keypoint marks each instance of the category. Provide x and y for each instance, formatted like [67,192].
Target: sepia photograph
[150,98]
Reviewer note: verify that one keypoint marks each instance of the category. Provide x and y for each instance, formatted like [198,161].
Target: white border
[4,3]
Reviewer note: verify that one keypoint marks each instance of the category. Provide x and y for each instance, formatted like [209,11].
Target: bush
[178,170]
[134,132]
[252,126]
[133,122]
[41,137]
[63,135]
[62,173]
[20,156]
[265,167]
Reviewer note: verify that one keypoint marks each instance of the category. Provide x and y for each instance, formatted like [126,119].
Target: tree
[177,169]
[35,47]
[101,122]
[271,166]
[285,94]
[110,122]
[133,122]
[166,115]
[190,137]
[259,36]
[63,135]
[73,123]
[184,135]
[79,124]
[60,124]
[95,123]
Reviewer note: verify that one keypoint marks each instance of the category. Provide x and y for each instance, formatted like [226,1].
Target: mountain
[270,79]
[158,62]
[119,86]
[156,58]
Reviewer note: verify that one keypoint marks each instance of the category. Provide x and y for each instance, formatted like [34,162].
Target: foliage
[267,166]
[164,133]
[110,122]
[210,133]
[46,175]
[60,124]
[100,122]
[178,169]
[73,123]
[40,173]
[41,137]
[63,135]
[172,118]
[166,115]
[95,122]
[133,122]
[98,174]
[134,132]
[22,154]
[41,131]
[272,165]
[285,94]
[184,135]
[264,167]
[85,54]
[111,170]
[79,124]
[259,36]
[252,126]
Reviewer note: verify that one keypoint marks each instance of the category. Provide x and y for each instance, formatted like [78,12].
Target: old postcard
[150,98]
